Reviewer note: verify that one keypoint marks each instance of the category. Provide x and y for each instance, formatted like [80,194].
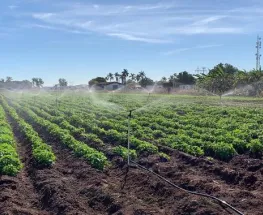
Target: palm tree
[142,74]
[164,79]
[133,76]
[124,76]
[110,76]
[117,76]
[9,79]
[173,79]
[241,78]
[138,78]
[34,80]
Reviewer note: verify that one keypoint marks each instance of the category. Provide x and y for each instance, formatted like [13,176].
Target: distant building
[113,86]
[108,86]
[186,87]
[138,87]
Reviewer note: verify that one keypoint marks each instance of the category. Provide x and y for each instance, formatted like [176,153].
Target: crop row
[145,133]
[79,133]
[41,152]
[108,135]
[10,163]
[95,158]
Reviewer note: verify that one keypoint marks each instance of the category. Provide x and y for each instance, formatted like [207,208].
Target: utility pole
[258,55]
[204,70]
[198,70]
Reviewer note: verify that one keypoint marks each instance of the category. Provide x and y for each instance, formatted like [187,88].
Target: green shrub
[224,151]
[256,148]
[123,152]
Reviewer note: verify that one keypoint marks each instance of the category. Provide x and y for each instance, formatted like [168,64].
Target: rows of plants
[92,156]
[41,152]
[95,127]
[219,131]
[198,129]
[141,130]
[79,133]
[10,163]
[48,112]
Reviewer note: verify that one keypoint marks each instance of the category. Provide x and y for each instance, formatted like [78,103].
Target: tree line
[225,77]
[143,80]
[35,82]
[219,80]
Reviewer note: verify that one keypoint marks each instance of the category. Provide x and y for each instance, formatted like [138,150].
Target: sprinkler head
[130,113]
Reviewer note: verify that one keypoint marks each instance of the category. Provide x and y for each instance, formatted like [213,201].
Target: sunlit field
[202,143]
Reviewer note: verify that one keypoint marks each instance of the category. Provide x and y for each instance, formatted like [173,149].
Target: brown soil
[71,186]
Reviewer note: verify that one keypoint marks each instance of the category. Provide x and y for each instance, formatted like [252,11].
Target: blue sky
[79,40]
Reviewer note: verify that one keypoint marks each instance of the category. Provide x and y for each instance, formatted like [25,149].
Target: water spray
[148,97]
[56,90]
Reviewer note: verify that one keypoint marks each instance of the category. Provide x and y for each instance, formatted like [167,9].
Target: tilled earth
[71,186]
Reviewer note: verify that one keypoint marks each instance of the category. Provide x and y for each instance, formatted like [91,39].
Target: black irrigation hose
[187,191]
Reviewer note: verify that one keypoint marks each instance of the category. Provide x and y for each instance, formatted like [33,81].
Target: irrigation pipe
[188,191]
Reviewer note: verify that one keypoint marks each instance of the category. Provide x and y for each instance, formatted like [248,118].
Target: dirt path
[232,182]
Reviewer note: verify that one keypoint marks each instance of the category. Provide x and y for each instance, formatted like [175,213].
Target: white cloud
[150,23]
[43,16]
[207,30]
[177,51]
[134,38]
[208,20]
[12,7]
[48,27]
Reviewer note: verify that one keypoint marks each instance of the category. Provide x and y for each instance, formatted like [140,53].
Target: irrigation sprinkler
[148,97]
[56,101]
[129,133]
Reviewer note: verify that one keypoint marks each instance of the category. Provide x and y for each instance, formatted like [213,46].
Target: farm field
[66,153]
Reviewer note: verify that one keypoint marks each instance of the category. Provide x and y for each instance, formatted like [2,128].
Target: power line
[258,55]
[203,70]
[198,70]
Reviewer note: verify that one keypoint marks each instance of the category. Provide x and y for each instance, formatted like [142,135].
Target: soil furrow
[18,195]
[105,193]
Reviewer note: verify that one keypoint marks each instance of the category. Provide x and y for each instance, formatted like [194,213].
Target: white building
[186,87]
[113,86]
[108,86]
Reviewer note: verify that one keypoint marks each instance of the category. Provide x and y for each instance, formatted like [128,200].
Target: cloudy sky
[81,39]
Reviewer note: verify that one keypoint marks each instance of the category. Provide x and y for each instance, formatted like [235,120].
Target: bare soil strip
[17,194]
